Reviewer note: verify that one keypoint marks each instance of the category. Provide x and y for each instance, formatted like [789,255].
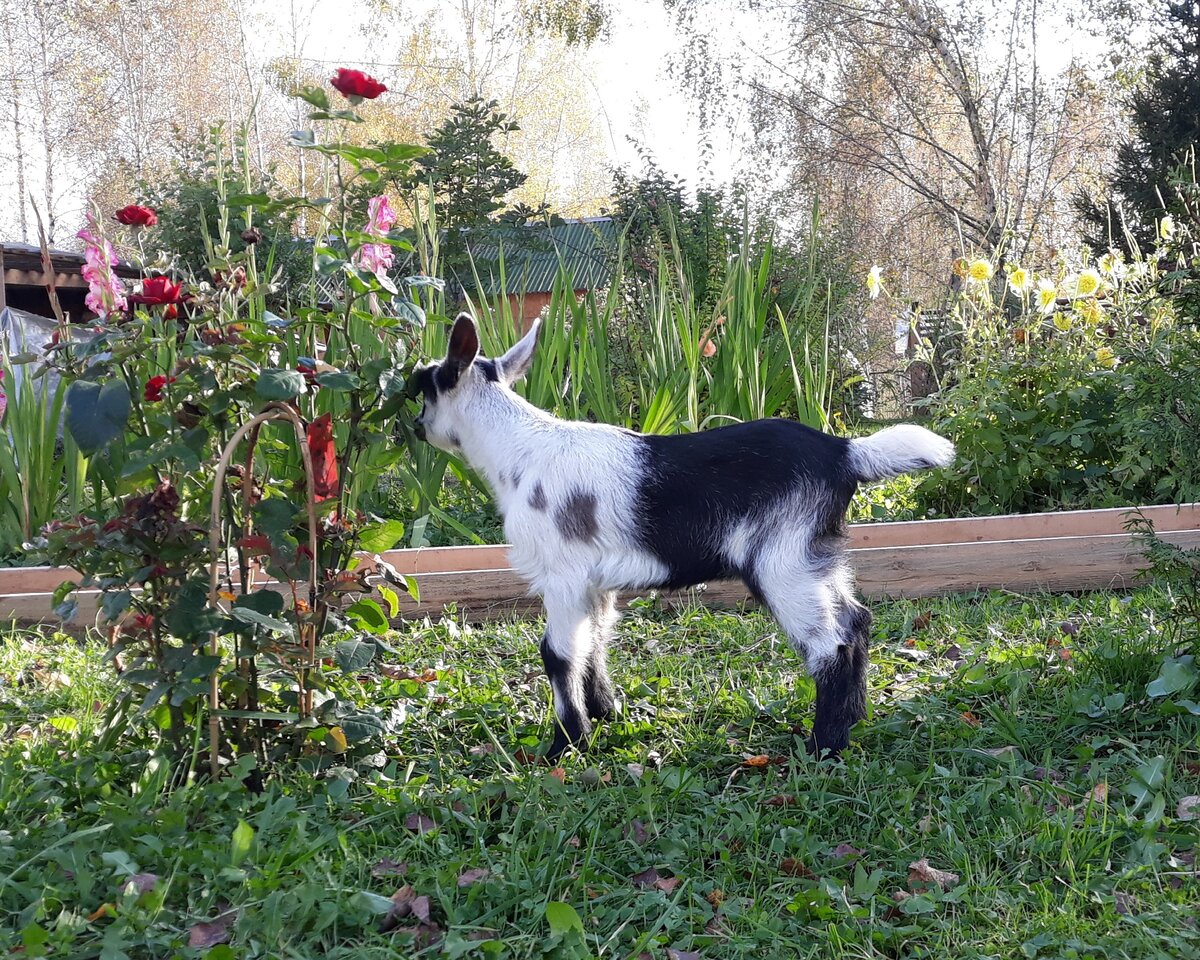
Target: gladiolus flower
[874,282]
[137,216]
[158,291]
[377,257]
[355,83]
[105,295]
[324,457]
[980,270]
[154,388]
[1019,280]
[708,347]
[1047,295]
[3,398]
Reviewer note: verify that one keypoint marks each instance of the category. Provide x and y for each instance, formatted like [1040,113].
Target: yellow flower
[1166,227]
[1062,321]
[874,282]
[980,270]
[1047,294]
[1087,283]
[1106,358]
[1089,311]
[1019,279]
[1111,264]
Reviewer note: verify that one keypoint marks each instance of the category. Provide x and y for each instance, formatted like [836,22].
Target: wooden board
[1051,564]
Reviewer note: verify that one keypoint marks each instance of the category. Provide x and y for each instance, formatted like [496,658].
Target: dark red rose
[154,388]
[355,83]
[157,291]
[324,457]
[137,216]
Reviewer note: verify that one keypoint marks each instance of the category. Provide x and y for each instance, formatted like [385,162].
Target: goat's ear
[516,362]
[464,343]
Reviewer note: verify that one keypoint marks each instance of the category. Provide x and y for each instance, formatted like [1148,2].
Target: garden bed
[1055,552]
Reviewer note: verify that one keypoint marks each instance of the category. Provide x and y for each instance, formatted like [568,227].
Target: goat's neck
[503,435]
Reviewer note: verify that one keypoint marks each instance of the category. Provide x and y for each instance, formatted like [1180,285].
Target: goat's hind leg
[566,648]
[841,680]
[597,687]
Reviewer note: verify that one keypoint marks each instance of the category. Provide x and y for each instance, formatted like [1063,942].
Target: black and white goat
[591,510]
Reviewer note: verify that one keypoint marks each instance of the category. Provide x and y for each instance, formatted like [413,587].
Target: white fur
[899,449]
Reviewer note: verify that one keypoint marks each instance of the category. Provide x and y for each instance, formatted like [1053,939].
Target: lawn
[1012,748]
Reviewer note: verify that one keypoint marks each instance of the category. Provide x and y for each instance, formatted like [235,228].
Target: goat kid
[592,509]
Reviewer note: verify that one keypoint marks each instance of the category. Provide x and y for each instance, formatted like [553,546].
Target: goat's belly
[546,564]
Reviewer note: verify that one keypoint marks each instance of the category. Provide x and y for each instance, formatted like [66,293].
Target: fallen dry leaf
[844,851]
[953,653]
[482,749]
[140,882]
[758,760]
[715,898]
[474,875]
[559,774]
[419,823]
[405,903]
[901,895]
[921,876]
[796,868]
[921,621]
[673,954]
[667,884]
[635,770]
[104,910]
[1098,793]
[779,800]
[1188,809]
[208,933]
[1064,654]
[573,842]
[647,878]
[387,867]
[969,718]
[636,831]
[1069,628]
[1124,903]
[1046,773]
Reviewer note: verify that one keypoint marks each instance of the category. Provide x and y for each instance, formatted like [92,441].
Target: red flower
[154,388]
[324,458]
[157,291]
[136,216]
[355,83]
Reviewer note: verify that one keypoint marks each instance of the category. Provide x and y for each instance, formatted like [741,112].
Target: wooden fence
[1076,550]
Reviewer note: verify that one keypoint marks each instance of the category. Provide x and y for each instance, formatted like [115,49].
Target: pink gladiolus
[377,257]
[106,295]
[3,398]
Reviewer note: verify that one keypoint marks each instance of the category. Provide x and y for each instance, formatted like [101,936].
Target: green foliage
[41,476]
[469,177]
[1165,126]
[195,211]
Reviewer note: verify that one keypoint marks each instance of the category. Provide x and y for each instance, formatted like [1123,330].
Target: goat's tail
[896,450]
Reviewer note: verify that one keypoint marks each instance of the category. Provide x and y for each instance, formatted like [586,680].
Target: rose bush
[191,378]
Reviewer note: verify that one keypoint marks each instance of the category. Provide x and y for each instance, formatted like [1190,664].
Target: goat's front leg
[566,648]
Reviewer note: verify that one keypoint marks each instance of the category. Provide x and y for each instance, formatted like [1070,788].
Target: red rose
[157,291]
[136,216]
[324,457]
[154,388]
[355,83]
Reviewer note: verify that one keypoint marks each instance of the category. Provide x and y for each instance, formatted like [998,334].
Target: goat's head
[457,390]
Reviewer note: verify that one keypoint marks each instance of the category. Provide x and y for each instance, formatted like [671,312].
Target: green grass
[1046,867]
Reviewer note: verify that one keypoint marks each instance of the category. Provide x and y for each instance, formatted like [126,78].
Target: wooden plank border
[1077,550]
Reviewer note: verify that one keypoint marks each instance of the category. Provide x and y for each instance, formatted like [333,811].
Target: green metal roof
[533,254]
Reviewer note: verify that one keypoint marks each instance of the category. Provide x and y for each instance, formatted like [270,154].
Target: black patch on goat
[571,724]
[576,517]
[488,369]
[698,483]
[537,499]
